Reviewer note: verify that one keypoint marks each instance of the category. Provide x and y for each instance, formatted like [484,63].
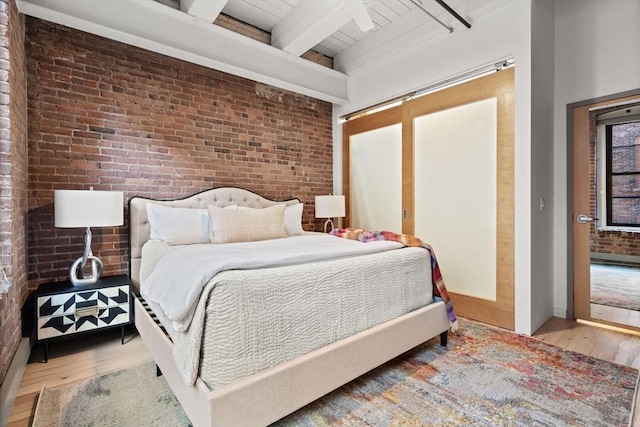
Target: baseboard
[613,258]
[11,383]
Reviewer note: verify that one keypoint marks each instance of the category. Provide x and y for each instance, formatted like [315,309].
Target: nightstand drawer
[82,310]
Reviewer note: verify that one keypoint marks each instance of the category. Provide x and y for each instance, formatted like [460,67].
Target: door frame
[578,301]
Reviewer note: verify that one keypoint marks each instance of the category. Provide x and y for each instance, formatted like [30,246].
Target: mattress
[250,320]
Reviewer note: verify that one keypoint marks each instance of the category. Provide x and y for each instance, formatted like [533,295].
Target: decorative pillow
[246,225]
[178,226]
[293,219]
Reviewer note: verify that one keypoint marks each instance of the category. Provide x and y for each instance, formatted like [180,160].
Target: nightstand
[62,309]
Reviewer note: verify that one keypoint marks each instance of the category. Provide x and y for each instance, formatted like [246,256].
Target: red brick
[14,189]
[174,129]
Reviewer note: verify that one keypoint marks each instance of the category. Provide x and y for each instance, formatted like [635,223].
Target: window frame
[606,200]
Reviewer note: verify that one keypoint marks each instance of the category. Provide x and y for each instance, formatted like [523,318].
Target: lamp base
[77,268]
[328,221]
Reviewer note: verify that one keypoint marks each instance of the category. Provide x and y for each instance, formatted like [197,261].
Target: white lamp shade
[329,206]
[88,208]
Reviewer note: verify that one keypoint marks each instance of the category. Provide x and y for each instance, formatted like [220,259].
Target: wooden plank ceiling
[351,32]
[271,41]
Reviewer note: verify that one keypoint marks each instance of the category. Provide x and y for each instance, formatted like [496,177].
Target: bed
[246,341]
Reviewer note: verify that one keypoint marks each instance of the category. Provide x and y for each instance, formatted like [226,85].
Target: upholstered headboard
[139,231]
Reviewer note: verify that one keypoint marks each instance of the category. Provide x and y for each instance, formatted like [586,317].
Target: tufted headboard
[139,224]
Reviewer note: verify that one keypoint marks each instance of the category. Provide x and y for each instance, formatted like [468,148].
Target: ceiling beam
[307,24]
[158,28]
[310,22]
[358,9]
[207,10]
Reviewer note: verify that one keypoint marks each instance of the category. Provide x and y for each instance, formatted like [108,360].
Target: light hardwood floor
[617,315]
[76,359]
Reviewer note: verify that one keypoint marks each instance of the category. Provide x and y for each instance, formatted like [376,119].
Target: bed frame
[270,395]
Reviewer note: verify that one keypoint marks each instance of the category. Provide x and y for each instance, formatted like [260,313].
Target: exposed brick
[158,127]
[13,187]
[116,117]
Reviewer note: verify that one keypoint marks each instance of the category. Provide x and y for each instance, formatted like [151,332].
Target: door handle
[583,219]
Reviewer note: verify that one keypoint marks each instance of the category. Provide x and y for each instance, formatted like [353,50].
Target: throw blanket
[439,288]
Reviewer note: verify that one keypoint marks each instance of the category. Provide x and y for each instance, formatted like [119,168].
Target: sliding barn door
[455,189]
[457,146]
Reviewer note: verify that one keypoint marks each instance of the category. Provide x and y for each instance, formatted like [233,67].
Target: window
[623,174]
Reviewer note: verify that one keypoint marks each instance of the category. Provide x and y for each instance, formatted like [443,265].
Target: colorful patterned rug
[484,377]
[615,286]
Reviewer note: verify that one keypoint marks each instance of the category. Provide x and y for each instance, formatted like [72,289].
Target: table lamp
[329,207]
[87,208]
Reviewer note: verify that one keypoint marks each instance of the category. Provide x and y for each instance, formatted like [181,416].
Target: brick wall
[606,241]
[13,178]
[116,117]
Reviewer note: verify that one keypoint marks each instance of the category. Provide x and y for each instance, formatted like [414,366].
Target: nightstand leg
[46,351]
[122,335]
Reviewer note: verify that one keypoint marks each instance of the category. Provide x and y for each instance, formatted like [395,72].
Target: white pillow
[178,226]
[293,219]
[246,225]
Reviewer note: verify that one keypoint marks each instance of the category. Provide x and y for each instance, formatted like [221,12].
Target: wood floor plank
[23,409]
[616,315]
[558,332]
[613,346]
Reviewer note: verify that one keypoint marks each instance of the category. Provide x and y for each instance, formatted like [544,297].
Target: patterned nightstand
[62,309]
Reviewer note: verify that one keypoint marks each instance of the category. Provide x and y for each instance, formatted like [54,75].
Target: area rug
[129,397]
[615,286]
[484,377]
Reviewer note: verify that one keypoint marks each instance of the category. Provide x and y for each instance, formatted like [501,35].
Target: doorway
[605,139]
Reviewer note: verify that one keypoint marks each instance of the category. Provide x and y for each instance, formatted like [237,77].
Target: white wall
[542,82]
[504,32]
[597,45]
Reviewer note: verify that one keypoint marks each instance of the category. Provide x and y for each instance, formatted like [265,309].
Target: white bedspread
[176,289]
[251,320]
